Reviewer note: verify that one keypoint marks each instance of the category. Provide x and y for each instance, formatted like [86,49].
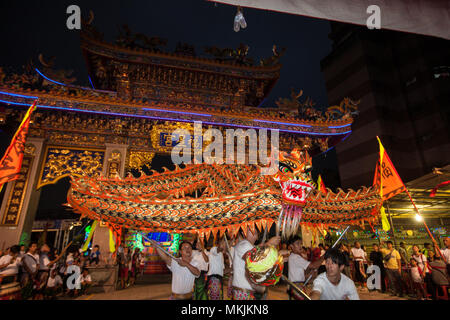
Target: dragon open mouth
[296,192]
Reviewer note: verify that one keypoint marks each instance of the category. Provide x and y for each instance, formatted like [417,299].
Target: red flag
[440,185]
[12,160]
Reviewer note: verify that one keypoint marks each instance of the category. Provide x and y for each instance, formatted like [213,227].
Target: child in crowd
[417,279]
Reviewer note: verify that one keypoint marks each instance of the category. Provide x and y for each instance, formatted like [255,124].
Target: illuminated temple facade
[138,96]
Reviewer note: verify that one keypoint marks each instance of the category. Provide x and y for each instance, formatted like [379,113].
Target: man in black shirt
[376,257]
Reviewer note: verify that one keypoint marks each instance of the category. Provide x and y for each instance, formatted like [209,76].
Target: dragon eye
[307,169]
[284,168]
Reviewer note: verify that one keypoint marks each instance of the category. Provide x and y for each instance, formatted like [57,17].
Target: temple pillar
[19,205]
[113,166]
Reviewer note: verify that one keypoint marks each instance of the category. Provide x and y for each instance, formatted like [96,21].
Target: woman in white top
[184,271]
[215,273]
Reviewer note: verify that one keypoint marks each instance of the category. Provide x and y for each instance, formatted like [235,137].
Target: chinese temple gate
[139,95]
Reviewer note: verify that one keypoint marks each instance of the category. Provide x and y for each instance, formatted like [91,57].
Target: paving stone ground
[158,288]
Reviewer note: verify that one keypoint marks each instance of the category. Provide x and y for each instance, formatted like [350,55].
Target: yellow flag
[91,233]
[384,221]
[112,243]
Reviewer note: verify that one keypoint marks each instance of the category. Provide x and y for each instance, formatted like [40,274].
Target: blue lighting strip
[18,95]
[170,111]
[303,125]
[346,125]
[48,79]
[285,123]
[173,119]
[91,82]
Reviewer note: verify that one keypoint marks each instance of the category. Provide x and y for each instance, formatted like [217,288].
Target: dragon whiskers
[289,220]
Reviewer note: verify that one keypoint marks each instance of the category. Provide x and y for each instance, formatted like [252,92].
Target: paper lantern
[409,232]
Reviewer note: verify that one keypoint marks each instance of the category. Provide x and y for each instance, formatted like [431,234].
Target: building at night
[140,93]
[403,84]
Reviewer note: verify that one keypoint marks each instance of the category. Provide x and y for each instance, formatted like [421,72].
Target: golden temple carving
[62,162]
[138,159]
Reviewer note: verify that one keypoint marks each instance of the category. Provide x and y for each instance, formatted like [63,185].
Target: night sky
[32,27]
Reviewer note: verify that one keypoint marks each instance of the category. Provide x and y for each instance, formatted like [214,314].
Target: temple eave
[115,106]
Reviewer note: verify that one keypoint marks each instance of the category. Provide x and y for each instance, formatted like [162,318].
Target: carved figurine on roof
[131,40]
[274,59]
[238,56]
[346,109]
[59,75]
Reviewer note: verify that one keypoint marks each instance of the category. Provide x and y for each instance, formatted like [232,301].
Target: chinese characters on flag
[387,177]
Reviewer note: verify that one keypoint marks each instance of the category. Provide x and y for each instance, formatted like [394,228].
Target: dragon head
[294,176]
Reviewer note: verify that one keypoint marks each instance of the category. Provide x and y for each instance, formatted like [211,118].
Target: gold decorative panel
[137,159]
[60,162]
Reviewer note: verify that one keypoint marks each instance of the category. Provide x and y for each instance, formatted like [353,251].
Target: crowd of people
[325,273]
[407,271]
[46,274]
[199,274]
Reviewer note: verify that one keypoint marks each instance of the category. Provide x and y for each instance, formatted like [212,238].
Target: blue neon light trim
[345,137]
[46,78]
[301,125]
[173,119]
[340,126]
[91,82]
[171,111]
[18,95]
[286,123]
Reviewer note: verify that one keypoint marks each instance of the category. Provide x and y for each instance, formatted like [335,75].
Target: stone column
[23,196]
[113,164]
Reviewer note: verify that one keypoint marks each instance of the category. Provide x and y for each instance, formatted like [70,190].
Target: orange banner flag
[12,160]
[387,177]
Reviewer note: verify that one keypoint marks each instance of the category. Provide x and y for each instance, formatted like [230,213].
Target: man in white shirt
[358,259]
[215,272]
[30,264]
[85,281]
[203,264]
[9,264]
[333,284]
[298,266]
[242,289]
[54,285]
[184,271]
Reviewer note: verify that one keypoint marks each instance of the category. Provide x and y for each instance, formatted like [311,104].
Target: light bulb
[418,217]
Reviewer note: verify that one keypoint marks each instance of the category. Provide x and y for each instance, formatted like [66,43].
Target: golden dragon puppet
[228,197]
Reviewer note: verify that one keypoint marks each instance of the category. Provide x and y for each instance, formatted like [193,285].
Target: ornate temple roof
[138,69]
[168,87]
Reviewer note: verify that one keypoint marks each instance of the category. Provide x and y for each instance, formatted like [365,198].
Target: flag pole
[392,224]
[426,227]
